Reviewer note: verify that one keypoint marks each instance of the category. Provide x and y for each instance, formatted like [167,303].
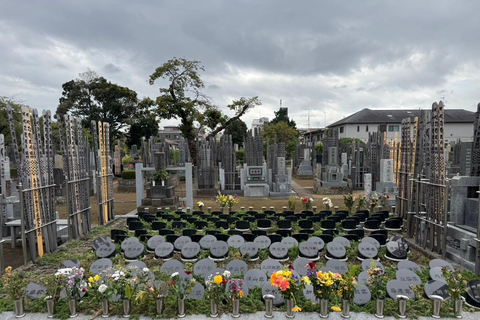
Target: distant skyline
[326,56]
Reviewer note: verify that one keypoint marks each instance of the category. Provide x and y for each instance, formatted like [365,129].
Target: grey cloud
[111,68]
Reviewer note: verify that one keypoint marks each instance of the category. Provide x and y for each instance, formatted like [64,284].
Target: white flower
[174,274]
[48,297]
[102,288]
[145,269]
[226,274]
[311,199]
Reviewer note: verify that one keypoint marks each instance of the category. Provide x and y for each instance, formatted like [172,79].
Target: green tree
[144,124]
[92,97]
[283,133]
[238,130]
[17,118]
[282,116]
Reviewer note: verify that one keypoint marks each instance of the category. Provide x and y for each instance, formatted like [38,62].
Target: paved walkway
[301,191]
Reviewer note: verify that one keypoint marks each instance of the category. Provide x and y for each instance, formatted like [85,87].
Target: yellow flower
[306,280]
[287,274]
[90,285]
[336,309]
[90,279]
[8,269]
[240,294]
[296,309]
[218,279]
[97,277]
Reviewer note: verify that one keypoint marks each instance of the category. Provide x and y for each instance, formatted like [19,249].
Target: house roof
[396,116]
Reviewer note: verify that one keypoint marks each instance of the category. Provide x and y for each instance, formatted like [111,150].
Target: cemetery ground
[125,202]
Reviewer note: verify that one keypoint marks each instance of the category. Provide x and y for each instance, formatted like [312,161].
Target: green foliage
[13,173]
[238,130]
[347,144]
[283,133]
[319,149]
[240,156]
[175,156]
[160,175]
[128,174]
[144,125]
[282,116]
[127,159]
[17,118]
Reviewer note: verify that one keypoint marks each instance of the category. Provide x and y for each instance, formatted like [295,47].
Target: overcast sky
[330,57]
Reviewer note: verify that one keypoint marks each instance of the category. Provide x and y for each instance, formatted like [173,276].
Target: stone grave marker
[213,273]
[278,300]
[343,241]
[397,287]
[269,266]
[367,250]
[309,250]
[198,291]
[34,291]
[308,293]
[164,250]
[180,242]
[410,265]
[279,251]
[300,265]
[237,267]
[249,249]
[362,295]
[437,288]
[290,242]
[255,278]
[101,241]
[337,266]
[206,241]
[100,265]
[399,239]
[190,250]
[372,241]
[172,266]
[473,293]
[154,241]
[336,250]
[263,242]
[128,242]
[367,263]
[219,249]
[105,251]
[70,263]
[136,264]
[362,277]
[397,250]
[408,276]
[436,273]
[235,241]
[439,263]
[134,251]
[318,241]
[203,267]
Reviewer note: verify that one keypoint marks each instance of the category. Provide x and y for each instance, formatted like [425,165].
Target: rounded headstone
[367,264]
[473,293]
[106,250]
[439,263]
[436,288]
[180,242]
[410,265]
[436,273]
[399,239]
[308,249]
[267,288]
[207,241]
[397,287]
[203,267]
[336,250]
[290,242]
[343,241]
[154,241]
[372,240]
[70,264]
[250,250]
[367,250]
[263,242]
[337,266]
[397,250]
[171,266]
[269,266]
[408,276]
[100,265]
[235,241]
[300,265]
[308,293]
[237,267]
[362,277]
[362,295]
[101,241]
[136,264]
[278,250]
[134,251]
[219,249]
[190,250]
[128,242]
[318,241]
[255,278]
[35,291]
[164,250]
[198,291]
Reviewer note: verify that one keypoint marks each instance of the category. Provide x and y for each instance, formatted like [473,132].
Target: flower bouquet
[377,282]
[200,205]
[75,285]
[215,286]
[226,201]
[307,203]
[384,200]
[289,285]
[13,284]
[373,201]
[235,293]
[328,203]
[349,200]
[180,288]
[101,285]
[456,285]
[362,203]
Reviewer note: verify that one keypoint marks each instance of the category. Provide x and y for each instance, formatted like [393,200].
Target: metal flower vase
[323,308]
[213,309]
[380,304]
[181,308]
[19,313]
[126,308]
[50,308]
[236,308]
[159,305]
[72,305]
[105,308]
[457,308]
[345,309]
[290,306]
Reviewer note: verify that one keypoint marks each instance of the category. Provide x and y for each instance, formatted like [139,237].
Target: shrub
[128,174]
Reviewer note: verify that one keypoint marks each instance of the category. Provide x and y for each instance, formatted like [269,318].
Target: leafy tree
[144,124]
[92,97]
[282,116]
[17,118]
[238,130]
[283,133]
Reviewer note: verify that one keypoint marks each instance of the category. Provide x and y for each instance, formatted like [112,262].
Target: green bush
[239,155]
[128,175]
[127,159]
[13,173]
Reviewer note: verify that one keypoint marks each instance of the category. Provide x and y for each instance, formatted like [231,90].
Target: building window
[358,128]
[366,128]
[393,128]
[341,129]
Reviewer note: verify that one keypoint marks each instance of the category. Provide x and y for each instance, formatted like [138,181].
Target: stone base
[173,201]
[303,177]
[161,192]
[330,191]
[281,195]
[334,184]
[386,187]
[206,192]
[256,190]
[461,246]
